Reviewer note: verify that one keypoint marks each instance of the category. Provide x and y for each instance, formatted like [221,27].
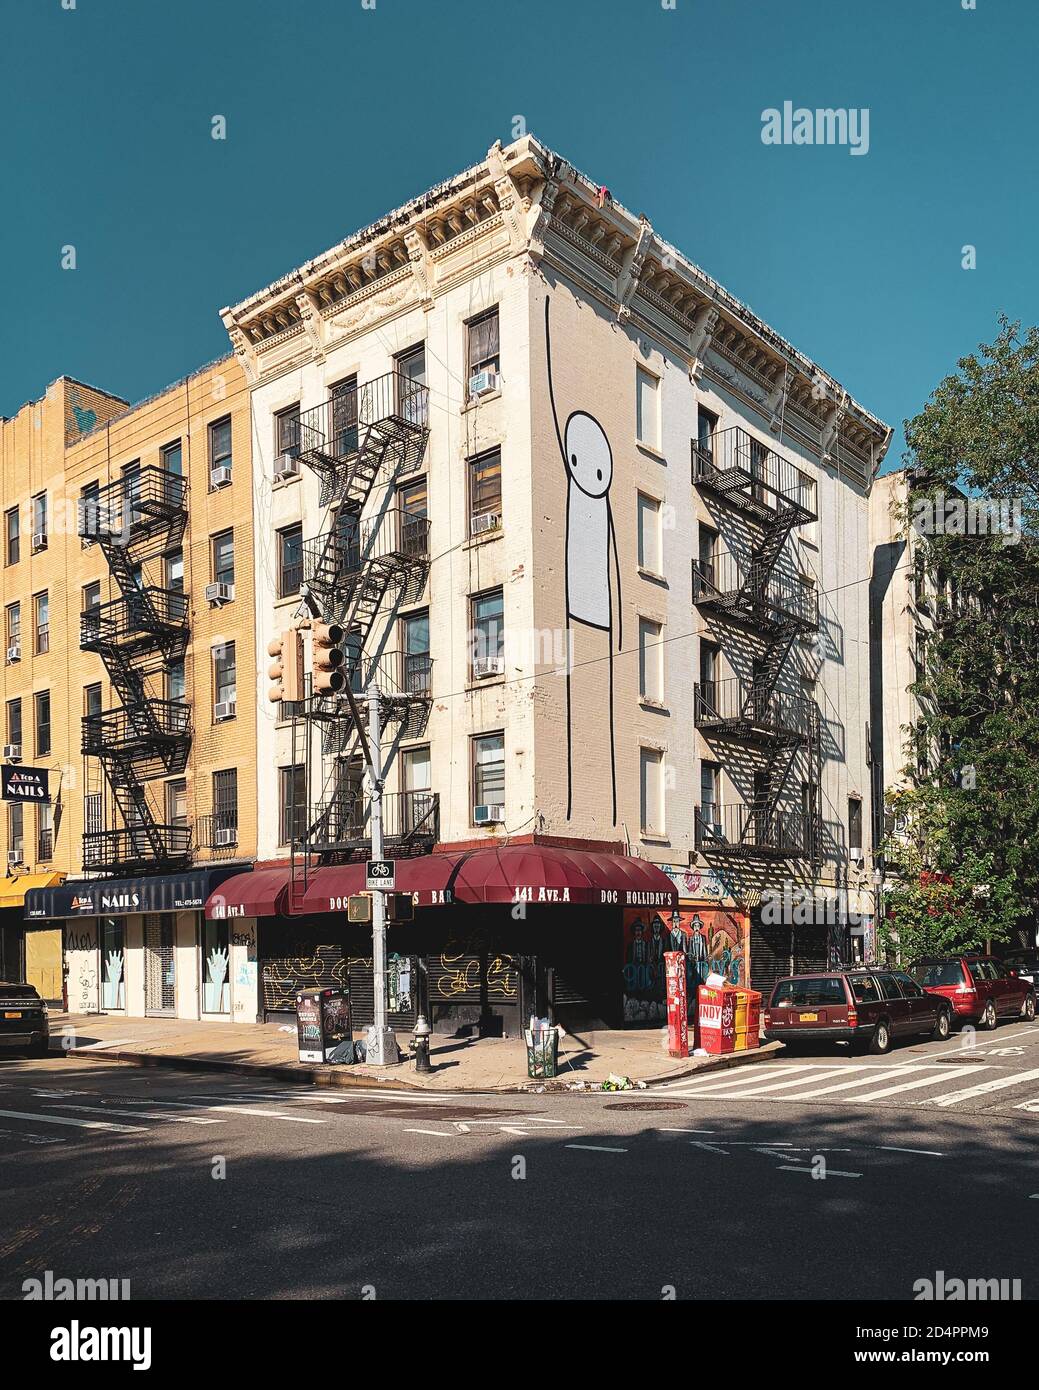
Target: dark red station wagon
[862,1007]
[980,989]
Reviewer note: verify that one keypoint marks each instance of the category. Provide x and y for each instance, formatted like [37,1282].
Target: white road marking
[711,1148]
[269,1114]
[830,1172]
[439,1133]
[1030,1105]
[77,1124]
[892,1149]
[947,1074]
[597,1148]
[99,1046]
[876,1074]
[800,1080]
[984,1088]
[31,1138]
[144,1114]
[665,1130]
[690,1086]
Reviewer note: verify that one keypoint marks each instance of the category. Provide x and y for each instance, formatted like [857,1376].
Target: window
[39,521]
[647,408]
[42,636]
[709,675]
[225,799]
[414,517]
[290,560]
[222,556]
[13,624]
[286,431]
[220,444]
[706,425]
[416,782]
[13,533]
[489,770]
[412,397]
[651,791]
[176,681]
[710,810]
[854,825]
[177,803]
[89,511]
[44,832]
[487,633]
[482,352]
[92,595]
[649,534]
[293,818]
[92,699]
[14,721]
[42,708]
[93,813]
[651,660]
[173,458]
[343,401]
[864,988]
[131,473]
[802,994]
[15,834]
[485,493]
[705,566]
[89,617]
[417,666]
[224,677]
[173,565]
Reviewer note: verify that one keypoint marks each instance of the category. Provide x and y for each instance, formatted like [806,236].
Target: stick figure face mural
[591,542]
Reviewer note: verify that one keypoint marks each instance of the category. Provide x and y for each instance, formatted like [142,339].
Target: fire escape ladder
[767,673]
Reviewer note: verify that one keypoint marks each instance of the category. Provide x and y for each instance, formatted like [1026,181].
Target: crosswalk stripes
[986,1087]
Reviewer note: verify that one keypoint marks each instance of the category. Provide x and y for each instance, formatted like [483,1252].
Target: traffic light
[286,670]
[329,676]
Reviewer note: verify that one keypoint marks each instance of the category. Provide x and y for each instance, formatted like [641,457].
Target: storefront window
[113,955]
[216,975]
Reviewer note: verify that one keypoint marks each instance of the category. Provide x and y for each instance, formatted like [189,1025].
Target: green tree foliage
[972,811]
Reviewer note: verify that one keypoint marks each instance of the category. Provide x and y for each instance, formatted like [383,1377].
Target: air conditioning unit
[856,855]
[482,383]
[14,652]
[39,541]
[484,666]
[489,521]
[219,593]
[225,836]
[14,856]
[220,477]
[13,752]
[489,815]
[224,709]
[286,466]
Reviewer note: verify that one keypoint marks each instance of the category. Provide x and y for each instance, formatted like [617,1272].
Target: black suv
[23,1019]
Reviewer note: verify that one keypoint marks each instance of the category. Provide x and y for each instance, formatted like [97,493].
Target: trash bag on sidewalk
[343,1053]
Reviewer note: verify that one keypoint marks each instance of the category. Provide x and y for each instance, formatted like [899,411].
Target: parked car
[979,988]
[1026,964]
[860,1007]
[23,1019]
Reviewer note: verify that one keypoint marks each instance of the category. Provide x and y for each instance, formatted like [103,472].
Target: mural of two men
[713,941]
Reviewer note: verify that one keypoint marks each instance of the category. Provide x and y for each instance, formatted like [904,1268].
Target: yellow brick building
[129,675]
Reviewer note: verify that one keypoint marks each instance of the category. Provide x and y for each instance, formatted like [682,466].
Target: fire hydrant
[421,1036]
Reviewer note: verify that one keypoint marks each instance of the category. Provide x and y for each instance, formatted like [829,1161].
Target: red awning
[547,874]
[427,877]
[259,893]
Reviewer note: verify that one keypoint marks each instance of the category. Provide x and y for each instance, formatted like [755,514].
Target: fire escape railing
[756,592]
[138,635]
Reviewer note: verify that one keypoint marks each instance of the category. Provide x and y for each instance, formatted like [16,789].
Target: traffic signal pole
[382,1043]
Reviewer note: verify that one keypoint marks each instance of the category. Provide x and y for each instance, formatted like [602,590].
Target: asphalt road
[794,1178]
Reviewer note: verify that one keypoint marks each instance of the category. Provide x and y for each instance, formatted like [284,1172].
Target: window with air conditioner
[39,521]
[647,408]
[13,632]
[13,746]
[485,493]
[649,534]
[225,808]
[286,443]
[651,791]
[15,832]
[488,778]
[487,634]
[225,689]
[221,588]
[482,354]
[220,459]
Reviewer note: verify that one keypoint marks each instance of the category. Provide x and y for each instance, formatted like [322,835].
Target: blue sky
[336,113]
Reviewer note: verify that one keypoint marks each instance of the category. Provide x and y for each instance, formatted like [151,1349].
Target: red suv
[981,989]
[866,1006]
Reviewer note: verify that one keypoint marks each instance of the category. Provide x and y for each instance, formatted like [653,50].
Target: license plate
[12,1013]
[808,1018]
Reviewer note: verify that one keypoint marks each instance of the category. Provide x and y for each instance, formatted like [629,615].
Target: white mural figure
[590,542]
[216,977]
[113,980]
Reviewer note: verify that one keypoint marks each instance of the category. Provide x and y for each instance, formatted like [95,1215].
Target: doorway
[160,998]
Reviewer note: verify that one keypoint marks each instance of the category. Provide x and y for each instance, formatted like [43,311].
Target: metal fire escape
[135,521]
[773,498]
[357,570]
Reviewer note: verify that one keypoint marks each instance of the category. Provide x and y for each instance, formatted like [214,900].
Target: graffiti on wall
[591,543]
[713,941]
[81,958]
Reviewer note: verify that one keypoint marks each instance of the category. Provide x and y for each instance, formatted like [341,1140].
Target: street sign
[380,873]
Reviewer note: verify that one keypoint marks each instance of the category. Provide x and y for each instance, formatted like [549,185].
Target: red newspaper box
[677,1004]
[716,1018]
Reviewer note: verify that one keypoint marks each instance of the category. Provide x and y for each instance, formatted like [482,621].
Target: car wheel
[880,1042]
[988,1017]
[942,1026]
[1028,1010]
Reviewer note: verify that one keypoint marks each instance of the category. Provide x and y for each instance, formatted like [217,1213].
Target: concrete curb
[344,1076]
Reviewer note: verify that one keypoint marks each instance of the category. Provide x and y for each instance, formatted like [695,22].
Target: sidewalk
[459,1064]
